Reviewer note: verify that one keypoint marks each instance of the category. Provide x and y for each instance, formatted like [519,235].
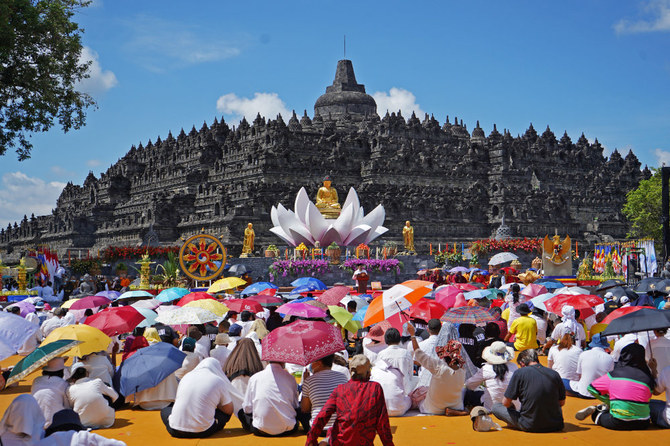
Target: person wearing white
[157,397]
[22,423]
[428,346]
[70,318]
[50,390]
[99,365]
[191,360]
[53,323]
[221,352]
[592,364]
[74,438]
[641,338]
[563,359]
[660,411]
[514,295]
[496,355]
[398,357]
[568,325]
[203,404]
[31,343]
[541,321]
[392,381]
[371,349]
[271,401]
[87,399]
[659,349]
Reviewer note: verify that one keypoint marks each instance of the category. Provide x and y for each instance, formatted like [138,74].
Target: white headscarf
[570,325]
[23,421]
[213,366]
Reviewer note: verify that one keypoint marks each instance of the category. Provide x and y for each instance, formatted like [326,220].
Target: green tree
[40,47]
[643,209]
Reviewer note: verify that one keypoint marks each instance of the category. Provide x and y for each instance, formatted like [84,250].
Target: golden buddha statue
[327,200]
[408,237]
[248,244]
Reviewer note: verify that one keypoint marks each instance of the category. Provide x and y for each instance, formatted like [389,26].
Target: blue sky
[601,67]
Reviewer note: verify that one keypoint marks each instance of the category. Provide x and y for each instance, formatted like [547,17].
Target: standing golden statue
[248,244]
[327,201]
[408,237]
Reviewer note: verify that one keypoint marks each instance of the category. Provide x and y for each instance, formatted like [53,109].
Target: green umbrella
[39,358]
[344,318]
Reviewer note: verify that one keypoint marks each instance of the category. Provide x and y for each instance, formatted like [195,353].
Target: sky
[601,67]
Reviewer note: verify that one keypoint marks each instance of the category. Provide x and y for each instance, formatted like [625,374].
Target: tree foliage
[643,209]
[40,47]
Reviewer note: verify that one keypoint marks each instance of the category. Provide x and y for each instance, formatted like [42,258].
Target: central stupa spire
[345,96]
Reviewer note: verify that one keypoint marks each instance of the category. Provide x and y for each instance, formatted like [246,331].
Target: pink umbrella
[534,290]
[26,307]
[450,297]
[334,295]
[190,297]
[114,321]
[301,309]
[240,305]
[89,302]
[302,342]
[466,286]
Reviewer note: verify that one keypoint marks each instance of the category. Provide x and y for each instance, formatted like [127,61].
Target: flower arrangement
[112,253]
[283,268]
[333,246]
[362,250]
[373,265]
[84,266]
[485,246]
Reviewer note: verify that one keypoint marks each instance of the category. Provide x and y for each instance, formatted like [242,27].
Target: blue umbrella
[149,317]
[137,293]
[147,368]
[550,284]
[257,287]
[360,314]
[303,289]
[303,299]
[538,301]
[477,294]
[14,330]
[309,281]
[111,295]
[170,294]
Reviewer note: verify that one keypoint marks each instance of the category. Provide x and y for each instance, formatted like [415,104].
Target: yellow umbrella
[227,283]
[68,303]
[92,339]
[214,306]
[344,318]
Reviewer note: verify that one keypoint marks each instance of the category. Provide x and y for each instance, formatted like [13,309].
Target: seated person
[22,423]
[89,398]
[50,389]
[191,360]
[317,387]
[66,430]
[391,379]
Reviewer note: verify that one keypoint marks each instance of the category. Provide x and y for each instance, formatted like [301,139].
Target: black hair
[466,330]
[351,305]
[392,336]
[59,373]
[328,360]
[245,316]
[78,374]
[515,292]
[492,330]
[434,326]
[88,312]
[138,331]
[500,371]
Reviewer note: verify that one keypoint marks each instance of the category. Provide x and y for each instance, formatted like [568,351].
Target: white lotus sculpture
[307,225]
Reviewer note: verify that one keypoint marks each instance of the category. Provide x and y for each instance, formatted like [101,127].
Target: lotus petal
[358,235]
[279,232]
[273,215]
[375,218]
[301,235]
[352,198]
[331,235]
[343,224]
[302,201]
[315,222]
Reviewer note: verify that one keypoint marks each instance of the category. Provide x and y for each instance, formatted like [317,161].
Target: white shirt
[202,347]
[99,366]
[220,353]
[51,324]
[541,328]
[31,343]
[592,364]
[86,398]
[565,361]
[72,438]
[399,358]
[446,385]
[660,349]
[428,347]
[272,397]
[559,332]
[199,394]
[391,380]
[640,338]
[371,349]
[157,397]
[663,385]
[494,391]
[51,394]
[246,326]
[189,363]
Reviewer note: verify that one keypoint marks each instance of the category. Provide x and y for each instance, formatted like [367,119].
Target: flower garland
[373,265]
[485,246]
[112,253]
[283,268]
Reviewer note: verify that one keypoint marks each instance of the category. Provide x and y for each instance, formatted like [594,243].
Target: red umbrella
[578,301]
[301,309]
[89,302]
[302,342]
[427,309]
[190,297]
[468,315]
[266,300]
[450,296]
[334,295]
[240,305]
[466,286]
[620,312]
[268,292]
[115,320]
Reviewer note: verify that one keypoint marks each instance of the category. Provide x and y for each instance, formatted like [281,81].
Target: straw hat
[222,339]
[498,353]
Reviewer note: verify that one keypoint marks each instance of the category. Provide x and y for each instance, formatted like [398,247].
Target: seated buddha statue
[327,201]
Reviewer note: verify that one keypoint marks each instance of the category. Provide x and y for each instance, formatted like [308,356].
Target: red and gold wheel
[199,257]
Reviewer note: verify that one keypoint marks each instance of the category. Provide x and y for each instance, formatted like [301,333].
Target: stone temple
[453,184]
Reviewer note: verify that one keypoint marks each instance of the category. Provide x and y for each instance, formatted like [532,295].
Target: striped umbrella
[39,357]
[396,299]
[468,315]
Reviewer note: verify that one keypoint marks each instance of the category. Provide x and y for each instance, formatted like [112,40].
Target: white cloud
[657,14]
[160,44]
[397,99]
[662,157]
[62,172]
[99,80]
[23,195]
[93,163]
[268,105]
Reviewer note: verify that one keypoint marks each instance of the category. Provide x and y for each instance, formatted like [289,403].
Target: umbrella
[647,284]
[645,319]
[267,292]
[14,331]
[266,301]
[468,315]
[316,303]
[578,301]
[111,294]
[149,317]
[309,280]
[360,314]
[238,269]
[334,295]
[360,302]
[663,286]
[507,286]
[147,368]
[227,283]
[572,290]
[38,358]
[538,301]
[68,303]
[396,299]
[257,287]
[186,315]
[302,342]
[301,309]
[89,302]
[620,291]
[458,269]
[170,294]
[502,257]
[240,305]
[466,286]
[150,304]
[611,283]
[214,306]
[26,307]
[344,318]
[116,320]
[533,290]
[549,284]
[479,294]
[450,296]
[190,297]
[620,312]
[136,294]
[426,310]
[303,289]
[92,339]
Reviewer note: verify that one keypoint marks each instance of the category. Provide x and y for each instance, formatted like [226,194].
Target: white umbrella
[360,302]
[538,301]
[186,315]
[150,304]
[14,330]
[507,286]
[502,257]
[571,290]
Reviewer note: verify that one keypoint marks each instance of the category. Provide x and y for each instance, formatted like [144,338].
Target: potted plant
[474,261]
[271,251]
[334,252]
[391,249]
[121,269]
